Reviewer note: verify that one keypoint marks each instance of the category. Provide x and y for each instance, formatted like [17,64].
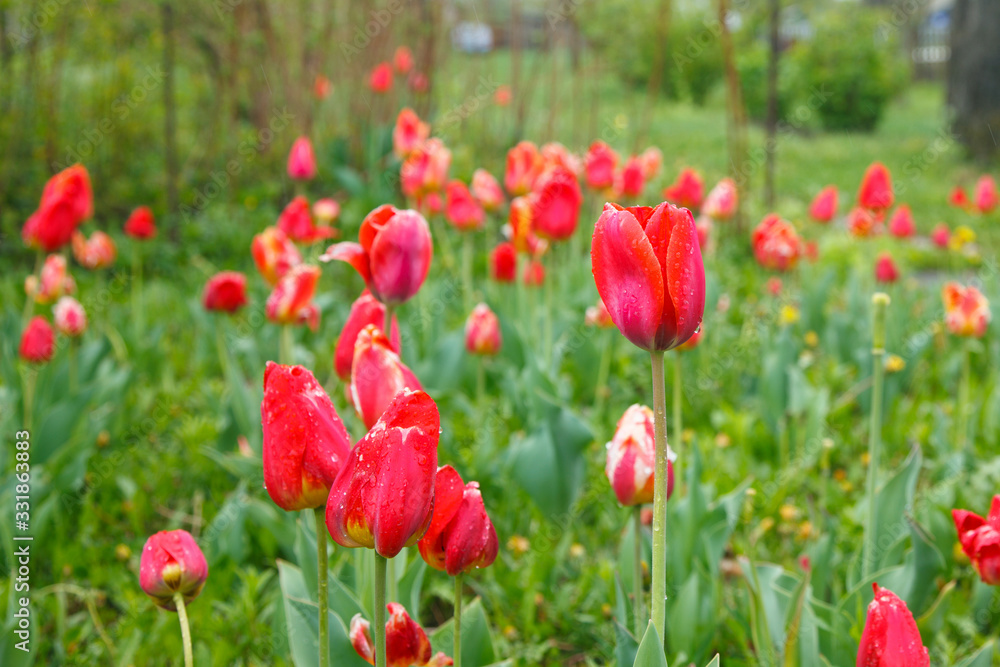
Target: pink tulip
[486,190]
[687,191]
[296,221]
[482,332]
[301,161]
[633,178]
[402,60]
[425,169]
[524,164]
[901,224]
[37,341]
[987,198]
[461,208]
[365,310]
[97,252]
[599,166]
[380,79]
[55,281]
[776,244]
[555,204]
[69,316]
[885,269]
[891,637]
[722,201]
[377,375]
[875,193]
[824,206]
[409,133]
[631,458]
[940,235]
[291,300]
[172,563]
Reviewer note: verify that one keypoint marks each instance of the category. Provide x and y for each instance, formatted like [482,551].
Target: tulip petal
[400,257]
[470,537]
[628,276]
[448,492]
[685,275]
[353,254]
[994,515]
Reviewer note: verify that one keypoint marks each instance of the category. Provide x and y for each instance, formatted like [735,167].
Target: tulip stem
[29,301]
[185,628]
[71,361]
[220,344]
[964,390]
[640,621]
[380,566]
[387,327]
[457,652]
[137,315]
[658,599]
[880,302]
[602,375]
[321,558]
[30,378]
[480,381]
[678,425]
[285,345]
[467,271]
[391,584]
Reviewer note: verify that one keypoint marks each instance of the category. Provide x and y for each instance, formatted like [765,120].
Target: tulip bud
[901,225]
[55,281]
[824,206]
[406,643]
[409,133]
[402,60]
[524,164]
[885,269]
[863,223]
[305,443]
[631,458]
[380,79]
[97,252]
[461,536]
[722,201]
[274,254]
[461,208]
[326,210]
[891,637]
[482,332]
[687,191]
[225,292]
[291,300]
[425,169]
[987,198]
[599,166]
[296,221]
[503,263]
[140,224]
[980,540]
[383,497]
[776,244]
[633,177]
[940,235]
[377,375]
[67,200]
[967,312]
[486,190]
[70,317]
[37,341]
[172,562]
[875,193]
[555,204]
[301,161]
[364,311]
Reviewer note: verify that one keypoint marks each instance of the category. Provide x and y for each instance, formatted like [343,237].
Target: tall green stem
[457,647]
[30,379]
[220,346]
[964,390]
[323,579]
[640,621]
[185,629]
[658,599]
[880,302]
[285,345]
[29,301]
[602,374]
[467,250]
[549,317]
[71,360]
[137,314]
[678,425]
[380,567]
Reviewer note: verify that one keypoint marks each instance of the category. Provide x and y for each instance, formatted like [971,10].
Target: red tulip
[554,154]
[967,311]
[377,375]
[172,562]
[959,199]
[462,210]
[651,160]
[824,206]
[69,316]
[486,190]
[322,87]
[862,223]
[534,273]
[524,164]
[722,201]
[225,292]
[875,193]
[274,254]
[776,244]
[433,204]
[519,223]
[380,79]
[37,341]
[502,96]
[598,316]
[364,311]
[305,443]
[987,198]
[599,166]
[67,200]
[140,224]
[406,643]
[461,536]
[648,269]
[393,254]
[633,177]
[687,191]
[901,224]
[891,637]
[326,211]
[409,133]
[383,497]
[55,281]
[425,169]
[296,221]
[482,332]
[980,539]
[97,252]
[631,458]
[402,60]
[555,204]
[940,235]
[301,161]
[503,263]
[885,269]
[291,300]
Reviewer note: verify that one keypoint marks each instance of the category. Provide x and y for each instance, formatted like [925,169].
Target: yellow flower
[788,512]
[894,363]
[577,551]
[812,340]
[122,552]
[805,530]
[789,315]
[963,235]
[518,545]
[766,524]
[865,458]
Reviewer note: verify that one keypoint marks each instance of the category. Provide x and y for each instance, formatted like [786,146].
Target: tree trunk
[973,85]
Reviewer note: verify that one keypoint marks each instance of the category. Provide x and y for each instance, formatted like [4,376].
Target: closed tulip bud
[291,300]
[875,193]
[959,199]
[274,254]
[891,637]
[366,310]
[380,79]
[987,198]
[461,208]
[296,221]
[651,161]
[486,190]
[393,255]
[69,316]
[502,96]
[140,224]
[409,133]
[322,87]
[383,497]
[554,154]
[863,223]
[406,643]
[555,204]
[967,311]
[301,161]
[172,562]
[722,201]
[503,263]
[524,164]
[824,206]
[55,281]
[687,191]
[461,536]
[648,269]
[598,316]
[901,224]
[631,458]
[482,332]
[377,375]
[599,166]
[402,60]
[980,540]
[225,292]
[776,244]
[67,200]
[425,169]
[885,269]
[941,235]
[633,178]
[37,341]
[305,443]
[97,252]
[326,211]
